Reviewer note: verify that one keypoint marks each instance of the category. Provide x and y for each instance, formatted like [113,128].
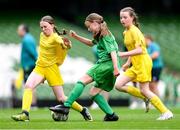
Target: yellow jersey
[51,50]
[141,63]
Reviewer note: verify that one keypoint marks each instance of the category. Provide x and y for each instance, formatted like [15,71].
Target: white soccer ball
[59,116]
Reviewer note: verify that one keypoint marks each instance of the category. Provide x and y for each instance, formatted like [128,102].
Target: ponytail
[135,21]
[64,32]
[104,29]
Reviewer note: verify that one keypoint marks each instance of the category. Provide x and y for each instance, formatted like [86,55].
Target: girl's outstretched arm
[84,40]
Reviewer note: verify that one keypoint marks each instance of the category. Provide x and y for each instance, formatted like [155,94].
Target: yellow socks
[157,103]
[76,106]
[135,92]
[27,100]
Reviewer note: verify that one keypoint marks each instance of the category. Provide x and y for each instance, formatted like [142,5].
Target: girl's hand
[72,33]
[125,67]
[116,72]
[67,42]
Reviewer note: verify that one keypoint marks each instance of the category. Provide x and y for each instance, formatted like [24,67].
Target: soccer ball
[59,116]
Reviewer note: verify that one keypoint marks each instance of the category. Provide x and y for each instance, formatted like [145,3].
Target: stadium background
[157,17]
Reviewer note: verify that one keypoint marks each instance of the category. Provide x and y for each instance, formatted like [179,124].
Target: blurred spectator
[154,51]
[172,84]
[28,54]
[176,83]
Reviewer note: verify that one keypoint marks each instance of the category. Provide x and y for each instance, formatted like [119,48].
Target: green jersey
[105,46]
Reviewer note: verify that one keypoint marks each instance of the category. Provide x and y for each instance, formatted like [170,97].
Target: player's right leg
[153,86]
[156,102]
[103,104]
[33,80]
[73,96]
[27,72]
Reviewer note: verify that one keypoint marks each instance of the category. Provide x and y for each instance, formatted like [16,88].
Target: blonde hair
[94,17]
[132,14]
[50,20]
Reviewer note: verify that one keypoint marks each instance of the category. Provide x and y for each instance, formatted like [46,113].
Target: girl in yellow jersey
[52,52]
[140,71]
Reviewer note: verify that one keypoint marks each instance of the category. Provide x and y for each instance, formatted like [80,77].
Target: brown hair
[132,14]
[94,17]
[50,20]
[149,37]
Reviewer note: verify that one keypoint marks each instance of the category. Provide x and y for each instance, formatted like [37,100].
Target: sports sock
[135,92]
[76,106]
[103,104]
[27,100]
[157,103]
[75,93]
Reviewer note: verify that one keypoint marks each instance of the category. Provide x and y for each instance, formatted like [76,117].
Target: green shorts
[102,74]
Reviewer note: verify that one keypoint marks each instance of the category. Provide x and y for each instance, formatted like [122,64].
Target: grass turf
[129,119]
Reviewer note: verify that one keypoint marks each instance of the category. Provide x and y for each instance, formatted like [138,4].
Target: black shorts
[27,72]
[156,72]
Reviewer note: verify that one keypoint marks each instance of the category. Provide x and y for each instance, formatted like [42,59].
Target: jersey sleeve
[94,41]
[136,38]
[156,48]
[110,44]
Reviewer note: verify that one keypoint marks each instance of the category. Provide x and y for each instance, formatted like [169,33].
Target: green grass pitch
[129,119]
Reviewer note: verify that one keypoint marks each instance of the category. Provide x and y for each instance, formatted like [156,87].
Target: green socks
[75,93]
[103,104]
[100,100]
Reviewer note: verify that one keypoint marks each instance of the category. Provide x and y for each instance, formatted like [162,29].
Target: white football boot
[166,116]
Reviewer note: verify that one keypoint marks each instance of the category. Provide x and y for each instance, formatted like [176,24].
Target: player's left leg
[156,102]
[59,93]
